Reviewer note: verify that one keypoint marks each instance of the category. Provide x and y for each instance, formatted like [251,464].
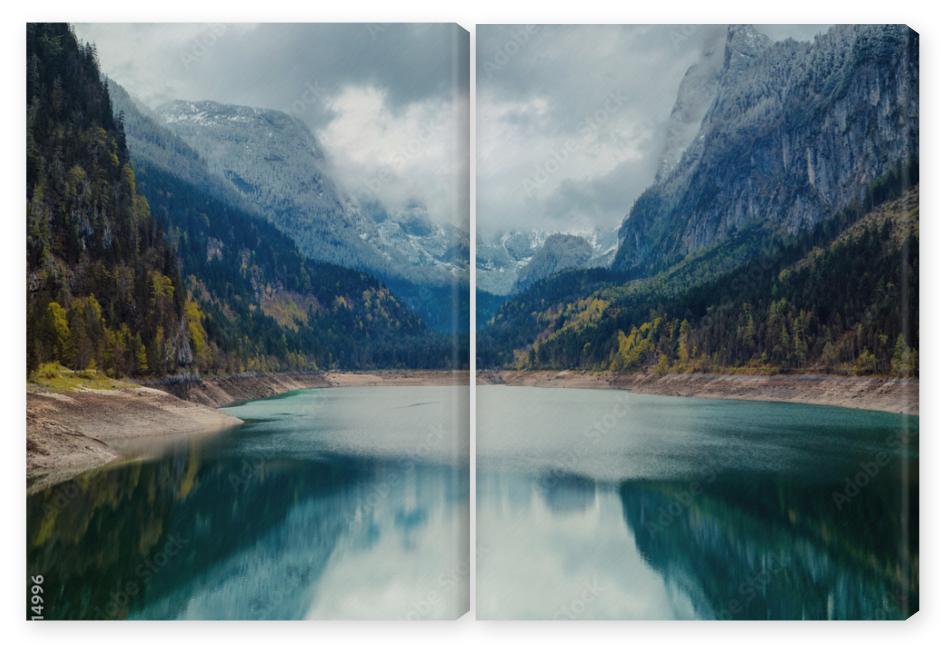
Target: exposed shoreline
[223,391]
[75,431]
[871,393]
[71,432]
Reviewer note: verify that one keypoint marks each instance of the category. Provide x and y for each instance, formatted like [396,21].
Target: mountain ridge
[797,131]
[104,291]
[559,252]
[237,139]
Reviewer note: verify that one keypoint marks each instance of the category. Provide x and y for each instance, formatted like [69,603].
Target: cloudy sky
[570,118]
[389,103]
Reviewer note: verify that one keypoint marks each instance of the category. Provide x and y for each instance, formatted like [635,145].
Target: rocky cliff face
[269,164]
[266,164]
[151,142]
[796,132]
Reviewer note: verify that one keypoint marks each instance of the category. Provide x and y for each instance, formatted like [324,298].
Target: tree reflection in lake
[217,528]
[686,508]
[759,546]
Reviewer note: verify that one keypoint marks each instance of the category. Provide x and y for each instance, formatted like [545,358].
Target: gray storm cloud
[571,118]
[389,102]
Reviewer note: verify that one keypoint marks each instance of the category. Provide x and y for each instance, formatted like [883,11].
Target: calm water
[605,504]
[329,503]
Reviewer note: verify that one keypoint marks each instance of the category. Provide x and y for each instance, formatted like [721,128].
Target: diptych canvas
[250,260]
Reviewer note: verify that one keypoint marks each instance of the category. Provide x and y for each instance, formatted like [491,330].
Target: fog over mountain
[383,100]
[786,200]
[573,119]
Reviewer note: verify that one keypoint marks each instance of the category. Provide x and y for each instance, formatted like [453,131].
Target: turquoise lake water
[606,504]
[353,503]
[327,503]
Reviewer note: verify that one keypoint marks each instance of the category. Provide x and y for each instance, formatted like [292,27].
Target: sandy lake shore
[877,394]
[69,432]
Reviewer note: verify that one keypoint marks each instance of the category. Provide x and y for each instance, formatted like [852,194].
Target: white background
[930,19]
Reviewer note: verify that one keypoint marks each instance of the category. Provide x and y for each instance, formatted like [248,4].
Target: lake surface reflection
[332,503]
[603,504]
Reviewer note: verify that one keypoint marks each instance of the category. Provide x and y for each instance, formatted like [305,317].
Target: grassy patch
[56,377]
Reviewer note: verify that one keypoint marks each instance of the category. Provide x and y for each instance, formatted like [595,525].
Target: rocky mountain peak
[560,252]
[743,42]
[270,164]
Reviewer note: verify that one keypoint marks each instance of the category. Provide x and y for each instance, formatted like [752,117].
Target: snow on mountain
[273,161]
[504,259]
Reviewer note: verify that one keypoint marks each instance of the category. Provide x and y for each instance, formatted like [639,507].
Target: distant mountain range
[510,261]
[780,232]
[274,161]
[757,110]
[271,162]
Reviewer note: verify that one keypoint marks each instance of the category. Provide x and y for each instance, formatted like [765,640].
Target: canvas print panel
[246,342]
[697,322]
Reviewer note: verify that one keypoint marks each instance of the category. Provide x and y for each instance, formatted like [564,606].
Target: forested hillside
[272,166]
[267,307]
[103,286]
